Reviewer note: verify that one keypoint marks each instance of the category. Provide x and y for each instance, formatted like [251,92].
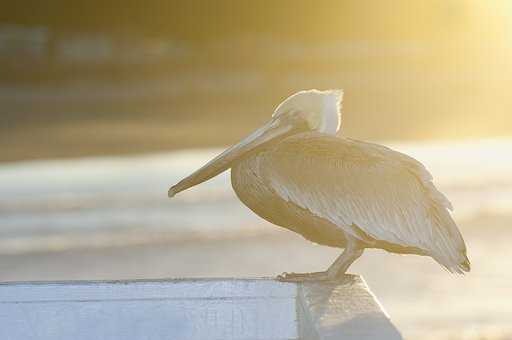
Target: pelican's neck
[331,116]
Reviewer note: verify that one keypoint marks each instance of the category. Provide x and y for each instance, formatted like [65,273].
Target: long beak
[225,160]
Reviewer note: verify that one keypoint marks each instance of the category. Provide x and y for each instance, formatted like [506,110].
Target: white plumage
[296,173]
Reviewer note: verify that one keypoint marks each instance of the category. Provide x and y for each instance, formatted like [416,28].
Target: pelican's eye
[299,120]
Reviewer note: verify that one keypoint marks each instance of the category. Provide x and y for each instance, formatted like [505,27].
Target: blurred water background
[104,201]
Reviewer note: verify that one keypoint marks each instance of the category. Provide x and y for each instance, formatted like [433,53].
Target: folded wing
[386,194]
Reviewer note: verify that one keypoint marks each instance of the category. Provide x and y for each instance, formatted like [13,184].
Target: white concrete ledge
[241,309]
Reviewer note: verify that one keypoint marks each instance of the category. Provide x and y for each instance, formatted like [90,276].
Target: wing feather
[388,195]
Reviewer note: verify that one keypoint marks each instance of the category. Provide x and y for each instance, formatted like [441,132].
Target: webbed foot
[301,277]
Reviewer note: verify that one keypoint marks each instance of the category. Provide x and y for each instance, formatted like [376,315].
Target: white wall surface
[241,309]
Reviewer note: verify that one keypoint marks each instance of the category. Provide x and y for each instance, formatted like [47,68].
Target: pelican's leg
[352,252]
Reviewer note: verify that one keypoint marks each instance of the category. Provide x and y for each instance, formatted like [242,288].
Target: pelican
[297,173]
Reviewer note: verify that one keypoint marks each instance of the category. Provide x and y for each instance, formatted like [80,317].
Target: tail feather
[447,245]
[450,251]
[466,265]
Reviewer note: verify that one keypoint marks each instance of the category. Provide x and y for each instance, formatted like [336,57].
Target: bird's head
[319,110]
[304,111]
